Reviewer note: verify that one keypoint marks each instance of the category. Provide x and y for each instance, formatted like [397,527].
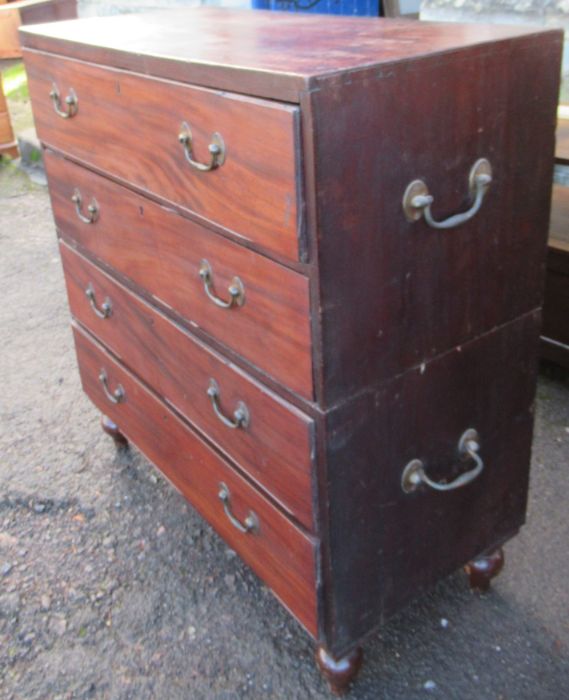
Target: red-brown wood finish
[39,11]
[483,569]
[269,54]
[276,447]
[415,334]
[112,430]
[136,121]
[278,551]
[339,672]
[414,291]
[387,545]
[161,252]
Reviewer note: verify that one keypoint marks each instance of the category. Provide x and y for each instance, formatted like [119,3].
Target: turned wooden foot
[482,570]
[121,443]
[339,672]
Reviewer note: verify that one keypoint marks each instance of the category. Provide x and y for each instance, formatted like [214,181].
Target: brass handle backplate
[116,396]
[236,289]
[417,200]
[414,473]
[216,149]
[241,415]
[251,523]
[92,209]
[71,103]
[106,307]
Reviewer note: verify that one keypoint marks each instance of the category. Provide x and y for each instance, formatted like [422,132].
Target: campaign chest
[304,259]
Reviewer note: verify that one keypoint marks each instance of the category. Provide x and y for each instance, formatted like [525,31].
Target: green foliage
[15,83]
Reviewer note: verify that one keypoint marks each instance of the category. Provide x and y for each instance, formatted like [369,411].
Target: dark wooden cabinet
[305,258]
[555,330]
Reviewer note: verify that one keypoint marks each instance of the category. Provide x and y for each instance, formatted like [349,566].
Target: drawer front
[281,554]
[128,126]
[272,440]
[162,252]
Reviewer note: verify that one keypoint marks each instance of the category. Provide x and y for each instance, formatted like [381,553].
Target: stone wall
[545,13]
[89,8]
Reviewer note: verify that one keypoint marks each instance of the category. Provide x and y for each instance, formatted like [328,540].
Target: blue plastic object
[328,7]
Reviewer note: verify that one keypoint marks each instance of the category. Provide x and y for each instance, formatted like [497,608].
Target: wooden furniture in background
[562,145]
[555,331]
[17,12]
[8,144]
[343,389]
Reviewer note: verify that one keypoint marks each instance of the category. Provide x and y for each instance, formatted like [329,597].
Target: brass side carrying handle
[414,473]
[241,415]
[92,209]
[116,396]
[417,201]
[71,102]
[251,522]
[106,307]
[236,289]
[216,149]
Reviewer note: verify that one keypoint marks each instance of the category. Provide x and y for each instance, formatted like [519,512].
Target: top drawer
[128,126]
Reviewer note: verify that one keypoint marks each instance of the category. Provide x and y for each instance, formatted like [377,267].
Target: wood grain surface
[404,335]
[135,120]
[270,54]
[280,553]
[393,293]
[275,448]
[161,253]
[387,546]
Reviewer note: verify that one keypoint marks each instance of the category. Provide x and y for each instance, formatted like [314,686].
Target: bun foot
[121,443]
[339,672]
[482,570]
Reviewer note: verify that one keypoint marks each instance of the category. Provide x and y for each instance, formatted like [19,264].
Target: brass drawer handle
[241,415]
[106,307]
[216,149]
[93,208]
[417,200]
[118,395]
[468,447]
[71,102]
[251,523]
[236,289]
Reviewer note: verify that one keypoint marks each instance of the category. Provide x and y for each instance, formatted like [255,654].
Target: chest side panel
[395,293]
[388,546]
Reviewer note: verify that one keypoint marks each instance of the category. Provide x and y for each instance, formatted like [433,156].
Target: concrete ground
[112,587]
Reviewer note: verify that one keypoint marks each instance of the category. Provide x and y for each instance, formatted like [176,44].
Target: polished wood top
[269,54]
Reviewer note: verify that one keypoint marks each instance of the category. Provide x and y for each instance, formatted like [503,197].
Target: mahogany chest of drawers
[304,259]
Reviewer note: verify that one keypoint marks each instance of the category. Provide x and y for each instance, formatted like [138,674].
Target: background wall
[88,8]
[545,13]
